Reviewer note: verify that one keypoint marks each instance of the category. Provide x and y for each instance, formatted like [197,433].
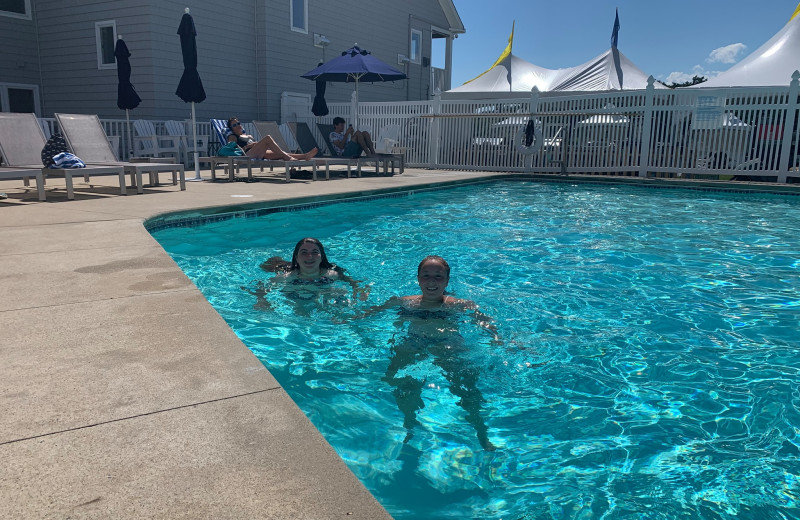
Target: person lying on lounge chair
[266,148]
[350,143]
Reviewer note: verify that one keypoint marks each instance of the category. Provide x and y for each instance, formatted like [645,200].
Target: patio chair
[7,173]
[21,143]
[306,142]
[221,130]
[87,139]
[271,128]
[177,130]
[379,159]
[146,143]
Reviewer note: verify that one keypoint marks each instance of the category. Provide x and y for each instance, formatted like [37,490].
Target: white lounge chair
[87,139]
[21,143]
[220,128]
[177,130]
[147,143]
[7,173]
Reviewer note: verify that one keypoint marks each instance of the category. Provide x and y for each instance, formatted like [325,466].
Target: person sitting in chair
[266,148]
[350,143]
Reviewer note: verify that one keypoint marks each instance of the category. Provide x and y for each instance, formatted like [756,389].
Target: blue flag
[615,31]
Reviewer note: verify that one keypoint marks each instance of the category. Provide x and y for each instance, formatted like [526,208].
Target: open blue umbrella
[190,89]
[353,66]
[127,98]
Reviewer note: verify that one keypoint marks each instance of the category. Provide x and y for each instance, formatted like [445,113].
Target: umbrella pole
[355,115]
[130,135]
[194,148]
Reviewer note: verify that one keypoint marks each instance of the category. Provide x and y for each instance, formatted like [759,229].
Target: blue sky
[672,39]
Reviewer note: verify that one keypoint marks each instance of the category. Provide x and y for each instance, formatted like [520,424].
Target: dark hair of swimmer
[437,259]
[324,263]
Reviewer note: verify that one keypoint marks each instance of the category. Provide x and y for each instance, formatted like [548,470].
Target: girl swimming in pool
[432,319]
[306,277]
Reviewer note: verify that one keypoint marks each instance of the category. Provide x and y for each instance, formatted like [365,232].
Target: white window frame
[5,104]
[26,16]
[303,29]
[418,58]
[99,43]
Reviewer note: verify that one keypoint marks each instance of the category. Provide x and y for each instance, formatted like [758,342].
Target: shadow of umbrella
[353,66]
[190,88]
[127,98]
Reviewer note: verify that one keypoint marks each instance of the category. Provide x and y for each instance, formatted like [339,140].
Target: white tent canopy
[772,64]
[611,70]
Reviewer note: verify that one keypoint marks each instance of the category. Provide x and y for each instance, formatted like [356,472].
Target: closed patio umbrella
[190,89]
[353,66]
[320,107]
[127,98]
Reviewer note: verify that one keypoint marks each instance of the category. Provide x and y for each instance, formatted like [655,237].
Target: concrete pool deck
[124,394]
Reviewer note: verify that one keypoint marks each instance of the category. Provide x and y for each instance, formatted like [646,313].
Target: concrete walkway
[123,394]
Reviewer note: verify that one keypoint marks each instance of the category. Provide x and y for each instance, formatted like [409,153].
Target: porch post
[448,63]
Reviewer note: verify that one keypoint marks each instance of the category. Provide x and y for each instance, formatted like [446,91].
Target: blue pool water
[650,364]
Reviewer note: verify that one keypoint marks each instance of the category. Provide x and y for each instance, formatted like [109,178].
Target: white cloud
[683,77]
[728,54]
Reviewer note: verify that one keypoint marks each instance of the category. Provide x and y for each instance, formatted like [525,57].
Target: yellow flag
[796,12]
[506,54]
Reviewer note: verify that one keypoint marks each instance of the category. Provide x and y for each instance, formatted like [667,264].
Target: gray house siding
[247,55]
[19,59]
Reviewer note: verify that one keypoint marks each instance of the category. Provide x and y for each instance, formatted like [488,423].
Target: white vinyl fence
[722,132]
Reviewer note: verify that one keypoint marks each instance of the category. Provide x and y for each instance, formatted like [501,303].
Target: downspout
[408,64]
[35,20]
[258,74]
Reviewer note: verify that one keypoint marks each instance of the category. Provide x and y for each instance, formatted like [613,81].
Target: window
[415,52]
[105,34]
[16,8]
[298,14]
[15,97]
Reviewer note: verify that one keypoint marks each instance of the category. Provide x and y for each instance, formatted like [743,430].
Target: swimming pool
[650,365]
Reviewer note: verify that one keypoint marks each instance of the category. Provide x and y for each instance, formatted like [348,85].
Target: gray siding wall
[19,57]
[247,55]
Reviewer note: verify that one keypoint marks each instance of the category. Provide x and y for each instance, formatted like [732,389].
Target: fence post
[644,154]
[788,127]
[436,130]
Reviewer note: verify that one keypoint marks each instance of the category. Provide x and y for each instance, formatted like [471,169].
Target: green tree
[694,81]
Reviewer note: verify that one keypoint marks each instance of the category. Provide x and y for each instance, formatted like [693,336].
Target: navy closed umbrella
[190,89]
[320,107]
[353,66]
[127,98]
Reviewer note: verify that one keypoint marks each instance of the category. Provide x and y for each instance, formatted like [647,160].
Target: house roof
[453,19]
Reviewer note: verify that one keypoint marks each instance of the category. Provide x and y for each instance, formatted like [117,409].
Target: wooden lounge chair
[220,128]
[87,139]
[21,143]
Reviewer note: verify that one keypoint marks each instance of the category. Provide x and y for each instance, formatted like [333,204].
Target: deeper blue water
[649,365]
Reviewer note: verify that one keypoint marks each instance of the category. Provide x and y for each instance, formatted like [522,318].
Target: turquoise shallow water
[650,362]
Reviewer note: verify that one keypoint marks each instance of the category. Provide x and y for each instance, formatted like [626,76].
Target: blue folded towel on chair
[67,160]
